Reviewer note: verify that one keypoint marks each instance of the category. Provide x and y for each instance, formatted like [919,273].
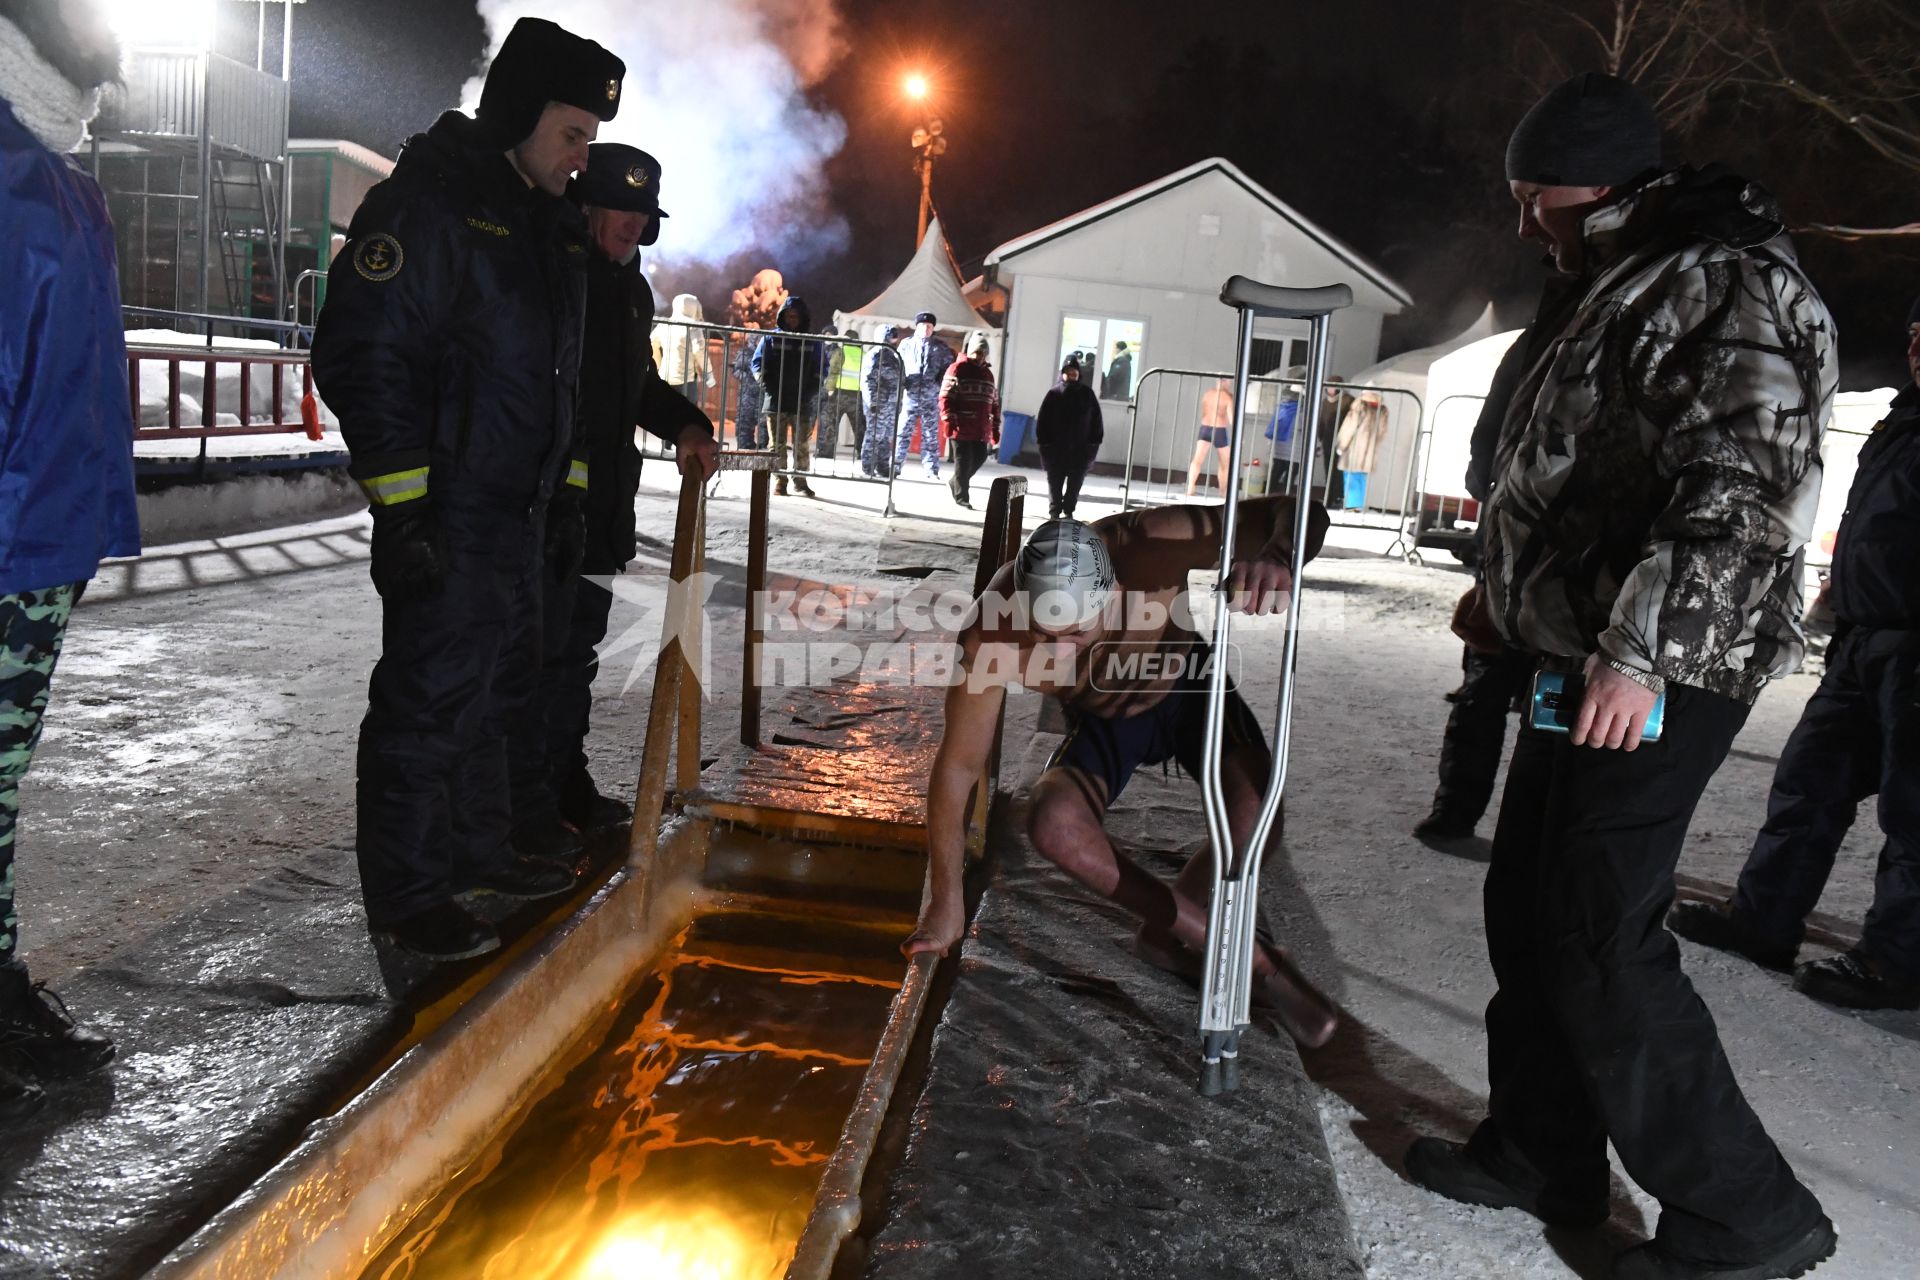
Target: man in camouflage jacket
[1655,477]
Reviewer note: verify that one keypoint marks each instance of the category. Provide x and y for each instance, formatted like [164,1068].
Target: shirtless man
[1216,424]
[1074,616]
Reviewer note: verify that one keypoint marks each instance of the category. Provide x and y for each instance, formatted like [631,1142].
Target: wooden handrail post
[756,635]
[650,793]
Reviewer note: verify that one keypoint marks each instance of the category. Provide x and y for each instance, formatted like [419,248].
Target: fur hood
[55,57]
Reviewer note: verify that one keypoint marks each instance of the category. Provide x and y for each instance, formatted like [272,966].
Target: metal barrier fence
[214,327]
[1446,438]
[1167,454]
[259,395]
[803,403]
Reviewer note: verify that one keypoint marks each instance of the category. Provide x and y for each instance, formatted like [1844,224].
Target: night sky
[1383,120]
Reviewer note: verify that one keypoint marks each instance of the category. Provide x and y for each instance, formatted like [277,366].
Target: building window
[1109,350]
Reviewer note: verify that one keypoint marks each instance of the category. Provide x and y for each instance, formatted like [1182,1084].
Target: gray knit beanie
[1593,131]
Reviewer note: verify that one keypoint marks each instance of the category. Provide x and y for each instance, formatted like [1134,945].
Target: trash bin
[1013,435]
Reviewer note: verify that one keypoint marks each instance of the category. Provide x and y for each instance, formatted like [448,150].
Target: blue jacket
[66,430]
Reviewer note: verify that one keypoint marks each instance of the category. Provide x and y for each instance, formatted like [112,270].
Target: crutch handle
[1285,304]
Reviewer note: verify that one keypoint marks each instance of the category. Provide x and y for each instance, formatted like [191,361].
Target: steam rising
[715,90]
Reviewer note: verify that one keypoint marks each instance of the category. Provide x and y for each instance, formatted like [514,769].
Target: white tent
[1408,373]
[1456,387]
[929,283]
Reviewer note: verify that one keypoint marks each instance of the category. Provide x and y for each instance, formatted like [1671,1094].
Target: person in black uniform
[619,389]
[1859,736]
[449,347]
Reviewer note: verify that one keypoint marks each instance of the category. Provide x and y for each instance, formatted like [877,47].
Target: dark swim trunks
[1215,436]
[1174,728]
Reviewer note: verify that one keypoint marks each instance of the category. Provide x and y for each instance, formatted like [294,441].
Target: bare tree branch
[1860,233]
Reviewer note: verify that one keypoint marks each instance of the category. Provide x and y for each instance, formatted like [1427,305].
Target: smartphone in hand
[1555,705]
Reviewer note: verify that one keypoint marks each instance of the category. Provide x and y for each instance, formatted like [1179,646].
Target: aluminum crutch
[1226,990]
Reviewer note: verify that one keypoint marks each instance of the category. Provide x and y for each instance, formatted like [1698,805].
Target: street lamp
[929,144]
[163,24]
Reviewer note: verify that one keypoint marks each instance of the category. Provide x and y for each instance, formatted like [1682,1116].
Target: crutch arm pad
[1282,303]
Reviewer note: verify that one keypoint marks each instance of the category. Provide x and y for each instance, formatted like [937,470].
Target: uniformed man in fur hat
[620,389]
[449,346]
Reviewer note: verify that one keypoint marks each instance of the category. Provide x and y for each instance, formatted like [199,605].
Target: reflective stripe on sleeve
[577,473]
[396,487]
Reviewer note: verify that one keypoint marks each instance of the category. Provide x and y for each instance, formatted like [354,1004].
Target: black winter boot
[526,879]
[1452,1170]
[38,1037]
[585,809]
[443,932]
[1854,982]
[1718,925]
[1790,1261]
[549,841]
[21,1099]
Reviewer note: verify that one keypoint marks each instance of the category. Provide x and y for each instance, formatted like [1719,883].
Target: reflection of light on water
[684,1243]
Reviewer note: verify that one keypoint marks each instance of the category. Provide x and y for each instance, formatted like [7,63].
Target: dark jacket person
[1859,736]
[620,388]
[1655,474]
[791,365]
[449,346]
[1068,430]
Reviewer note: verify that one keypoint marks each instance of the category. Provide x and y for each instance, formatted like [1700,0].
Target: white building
[1145,268]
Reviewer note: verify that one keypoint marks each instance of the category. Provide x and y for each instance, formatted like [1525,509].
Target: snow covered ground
[202,729]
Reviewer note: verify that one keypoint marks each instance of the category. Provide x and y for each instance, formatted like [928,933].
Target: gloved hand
[409,551]
[566,532]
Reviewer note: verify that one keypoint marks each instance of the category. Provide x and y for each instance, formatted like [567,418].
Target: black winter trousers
[432,801]
[1858,737]
[549,763]
[1063,483]
[566,689]
[1595,1033]
[1477,731]
[968,457]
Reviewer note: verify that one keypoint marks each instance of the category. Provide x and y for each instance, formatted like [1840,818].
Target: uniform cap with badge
[541,62]
[621,177]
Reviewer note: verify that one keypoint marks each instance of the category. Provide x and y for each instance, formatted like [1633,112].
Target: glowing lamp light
[696,1245]
[916,86]
[162,24]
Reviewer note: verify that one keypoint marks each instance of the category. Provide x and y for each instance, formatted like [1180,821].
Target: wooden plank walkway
[848,759]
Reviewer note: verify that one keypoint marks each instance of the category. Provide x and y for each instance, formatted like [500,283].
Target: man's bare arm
[971,716]
[1186,537]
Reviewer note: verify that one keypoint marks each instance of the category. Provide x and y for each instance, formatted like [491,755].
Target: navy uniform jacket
[1876,557]
[619,389]
[449,345]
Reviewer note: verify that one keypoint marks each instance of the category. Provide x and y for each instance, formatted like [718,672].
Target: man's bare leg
[1194,468]
[1066,823]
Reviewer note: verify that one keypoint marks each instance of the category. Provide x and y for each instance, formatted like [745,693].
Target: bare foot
[1282,990]
[1163,951]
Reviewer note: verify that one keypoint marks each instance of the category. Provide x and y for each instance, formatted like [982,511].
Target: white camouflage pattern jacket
[1659,464]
